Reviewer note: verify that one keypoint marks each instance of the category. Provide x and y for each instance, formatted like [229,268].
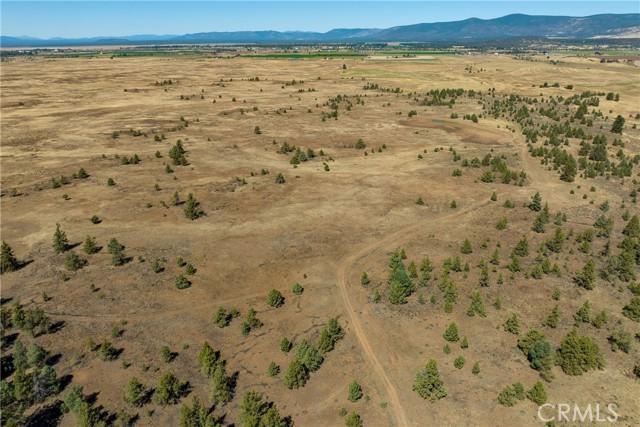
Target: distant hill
[468,30]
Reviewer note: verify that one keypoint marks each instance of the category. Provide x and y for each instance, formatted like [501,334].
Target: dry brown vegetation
[335,216]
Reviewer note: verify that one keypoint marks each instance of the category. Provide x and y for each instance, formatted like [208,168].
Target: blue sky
[116,18]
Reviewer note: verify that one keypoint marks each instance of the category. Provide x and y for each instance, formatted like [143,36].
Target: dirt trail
[390,241]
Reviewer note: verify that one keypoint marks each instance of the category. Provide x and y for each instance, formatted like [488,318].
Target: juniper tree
[330,335]
[60,241]
[192,208]
[554,317]
[273,369]
[117,252]
[536,202]
[620,340]
[510,395]
[297,374]
[136,393]
[587,276]
[90,246]
[355,391]
[451,333]
[196,415]
[297,289]
[484,276]
[632,310]
[275,298]
[221,391]
[280,179]
[618,124]
[285,345]
[466,247]
[522,248]
[169,390]
[428,384]
[8,261]
[45,383]
[537,394]
[208,359]
[584,313]
[538,352]
[73,262]
[512,324]
[353,419]
[477,306]
[256,412]
[578,354]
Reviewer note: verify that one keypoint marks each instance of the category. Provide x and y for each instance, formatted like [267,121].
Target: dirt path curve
[390,241]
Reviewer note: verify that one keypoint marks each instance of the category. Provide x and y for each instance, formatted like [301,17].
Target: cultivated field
[383,165]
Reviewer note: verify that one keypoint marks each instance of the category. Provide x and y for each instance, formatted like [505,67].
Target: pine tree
[90,246]
[536,202]
[117,252]
[297,374]
[587,276]
[355,391]
[60,241]
[618,124]
[208,359]
[169,390]
[275,298]
[8,261]
[221,392]
[136,393]
[451,333]
[428,384]
[192,208]
[466,247]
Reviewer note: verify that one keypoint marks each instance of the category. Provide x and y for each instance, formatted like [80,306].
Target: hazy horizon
[80,19]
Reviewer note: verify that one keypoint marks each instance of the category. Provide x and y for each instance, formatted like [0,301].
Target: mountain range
[612,26]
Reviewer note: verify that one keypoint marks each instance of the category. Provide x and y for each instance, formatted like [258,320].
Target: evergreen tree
[136,393]
[466,247]
[275,298]
[632,310]
[428,384]
[536,202]
[353,420]
[578,354]
[587,276]
[8,261]
[256,412]
[355,391]
[192,208]
[90,246]
[537,394]
[451,333]
[618,124]
[169,390]
[117,252]
[208,359]
[297,374]
[45,383]
[512,324]
[221,392]
[197,415]
[60,241]
[330,335]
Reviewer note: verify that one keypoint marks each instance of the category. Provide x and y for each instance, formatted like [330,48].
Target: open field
[341,211]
